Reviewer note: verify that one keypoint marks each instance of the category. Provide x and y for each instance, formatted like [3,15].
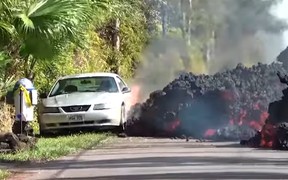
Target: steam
[245,36]
[161,63]
[236,39]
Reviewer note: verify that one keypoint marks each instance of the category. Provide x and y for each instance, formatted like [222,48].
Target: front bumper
[95,118]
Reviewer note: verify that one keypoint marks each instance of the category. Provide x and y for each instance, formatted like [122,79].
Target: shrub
[6,117]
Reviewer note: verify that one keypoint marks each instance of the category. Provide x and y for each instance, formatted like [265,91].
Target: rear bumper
[99,118]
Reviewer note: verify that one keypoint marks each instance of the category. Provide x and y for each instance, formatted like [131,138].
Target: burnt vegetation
[229,105]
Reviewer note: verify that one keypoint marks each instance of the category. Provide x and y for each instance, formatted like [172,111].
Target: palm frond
[49,17]
[55,7]
[6,28]
[45,26]
[100,4]
[27,23]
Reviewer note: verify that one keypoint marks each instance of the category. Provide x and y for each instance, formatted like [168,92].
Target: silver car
[84,100]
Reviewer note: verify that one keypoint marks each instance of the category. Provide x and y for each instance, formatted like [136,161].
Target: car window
[85,84]
[120,83]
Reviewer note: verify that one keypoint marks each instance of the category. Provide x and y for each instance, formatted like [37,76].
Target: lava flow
[274,133]
[210,133]
[230,105]
[268,135]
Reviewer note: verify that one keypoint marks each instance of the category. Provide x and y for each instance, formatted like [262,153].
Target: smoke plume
[162,62]
[248,33]
[237,31]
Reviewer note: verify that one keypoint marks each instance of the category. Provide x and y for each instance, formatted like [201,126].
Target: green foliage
[50,24]
[42,29]
[5,82]
[53,148]
[4,174]
[49,71]
[133,40]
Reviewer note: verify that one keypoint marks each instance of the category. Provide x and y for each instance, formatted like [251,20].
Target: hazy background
[281,11]
[220,38]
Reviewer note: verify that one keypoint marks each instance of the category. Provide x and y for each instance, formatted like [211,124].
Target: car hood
[80,99]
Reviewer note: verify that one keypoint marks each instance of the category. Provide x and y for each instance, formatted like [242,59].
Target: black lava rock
[193,104]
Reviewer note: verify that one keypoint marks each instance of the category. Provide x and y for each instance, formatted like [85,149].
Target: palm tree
[40,29]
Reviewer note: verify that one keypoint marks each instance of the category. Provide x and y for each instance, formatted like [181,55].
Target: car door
[126,94]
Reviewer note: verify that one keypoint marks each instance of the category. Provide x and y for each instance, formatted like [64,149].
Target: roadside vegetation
[3,174]
[52,148]
[45,39]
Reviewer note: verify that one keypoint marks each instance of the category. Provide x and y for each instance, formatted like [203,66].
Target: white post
[25,98]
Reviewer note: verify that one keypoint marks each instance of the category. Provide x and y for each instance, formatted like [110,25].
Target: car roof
[98,74]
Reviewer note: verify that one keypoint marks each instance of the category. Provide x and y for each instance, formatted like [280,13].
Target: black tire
[43,133]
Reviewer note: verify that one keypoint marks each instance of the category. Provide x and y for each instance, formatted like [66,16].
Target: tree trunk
[186,11]
[189,23]
[183,12]
[164,18]
[29,67]
[212,46]
[11,139]
[116,36]
[209,48]
[116,45]
[17,142]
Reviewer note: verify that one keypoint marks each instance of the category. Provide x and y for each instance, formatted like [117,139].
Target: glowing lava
[268,134]
[210,133]
[172,126]
[134,97]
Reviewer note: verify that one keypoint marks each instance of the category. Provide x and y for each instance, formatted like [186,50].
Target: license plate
[75,118]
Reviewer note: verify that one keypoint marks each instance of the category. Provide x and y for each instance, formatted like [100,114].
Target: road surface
[141,158]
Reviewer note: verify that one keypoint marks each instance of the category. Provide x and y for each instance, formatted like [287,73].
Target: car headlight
[51,110]
[102,106]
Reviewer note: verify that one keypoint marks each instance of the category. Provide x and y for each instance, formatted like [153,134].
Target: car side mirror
[43,95]
[126,90]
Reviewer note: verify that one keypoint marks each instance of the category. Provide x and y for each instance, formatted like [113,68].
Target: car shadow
[75,131]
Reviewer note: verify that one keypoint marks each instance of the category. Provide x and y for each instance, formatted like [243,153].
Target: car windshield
[85,84]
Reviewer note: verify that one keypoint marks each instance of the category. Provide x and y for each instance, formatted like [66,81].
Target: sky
[282,12]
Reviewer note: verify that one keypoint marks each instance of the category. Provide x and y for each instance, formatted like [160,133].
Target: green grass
[3,174]
[53,148]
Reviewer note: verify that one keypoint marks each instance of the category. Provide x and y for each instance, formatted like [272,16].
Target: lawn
[53,148]
[3,174]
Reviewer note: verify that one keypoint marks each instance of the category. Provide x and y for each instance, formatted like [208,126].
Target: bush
[6,117]
[4,174]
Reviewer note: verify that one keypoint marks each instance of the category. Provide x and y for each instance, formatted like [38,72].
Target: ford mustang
[84,100]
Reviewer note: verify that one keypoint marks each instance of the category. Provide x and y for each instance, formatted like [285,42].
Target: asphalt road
[140,158]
